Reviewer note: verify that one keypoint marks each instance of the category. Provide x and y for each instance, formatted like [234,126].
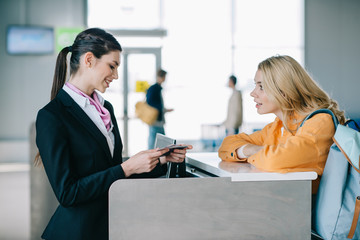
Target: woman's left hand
[177,155]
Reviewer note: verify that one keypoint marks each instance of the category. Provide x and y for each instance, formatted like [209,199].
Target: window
[263,29]
[206,42]
[124,14]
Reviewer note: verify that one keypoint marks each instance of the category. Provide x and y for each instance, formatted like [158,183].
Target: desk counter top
[210,162]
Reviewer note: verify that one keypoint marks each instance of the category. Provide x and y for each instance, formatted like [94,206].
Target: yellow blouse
[304,150]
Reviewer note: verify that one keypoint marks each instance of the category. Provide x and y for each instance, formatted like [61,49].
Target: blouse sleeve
[230,144]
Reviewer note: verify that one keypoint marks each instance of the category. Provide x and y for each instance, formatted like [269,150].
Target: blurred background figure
[154,98]
[234,117]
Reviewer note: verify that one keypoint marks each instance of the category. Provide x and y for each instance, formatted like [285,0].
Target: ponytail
[60,72]
[58,83]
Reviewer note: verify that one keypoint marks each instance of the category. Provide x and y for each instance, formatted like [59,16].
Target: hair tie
[70,48]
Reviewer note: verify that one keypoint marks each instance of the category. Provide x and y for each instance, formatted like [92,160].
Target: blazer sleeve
[69,188]
[158,171]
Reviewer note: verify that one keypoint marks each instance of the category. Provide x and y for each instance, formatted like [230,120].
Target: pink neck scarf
[103,112]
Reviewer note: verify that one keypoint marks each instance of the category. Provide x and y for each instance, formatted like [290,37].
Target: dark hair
[161,73]
[233,79]
[94,40]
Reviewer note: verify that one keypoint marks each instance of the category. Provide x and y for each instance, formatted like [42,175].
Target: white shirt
[93,114]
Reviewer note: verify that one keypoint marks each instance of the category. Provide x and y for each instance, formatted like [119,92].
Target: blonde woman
[284,88]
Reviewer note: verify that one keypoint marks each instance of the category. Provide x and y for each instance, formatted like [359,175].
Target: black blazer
[79,166]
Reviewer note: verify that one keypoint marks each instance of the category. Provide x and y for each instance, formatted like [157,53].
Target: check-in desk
[221,200]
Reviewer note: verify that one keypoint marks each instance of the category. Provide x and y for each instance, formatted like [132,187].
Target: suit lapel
[74,109]
[118,143]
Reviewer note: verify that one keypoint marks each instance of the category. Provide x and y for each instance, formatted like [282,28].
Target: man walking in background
[235,110]
[154,98]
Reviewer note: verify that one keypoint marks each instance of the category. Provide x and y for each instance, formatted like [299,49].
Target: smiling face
[104,71]
[96,73]
[263,103]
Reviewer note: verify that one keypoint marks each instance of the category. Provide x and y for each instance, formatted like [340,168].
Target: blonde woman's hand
[144,161]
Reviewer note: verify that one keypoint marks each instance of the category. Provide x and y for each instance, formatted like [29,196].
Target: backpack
[336,214]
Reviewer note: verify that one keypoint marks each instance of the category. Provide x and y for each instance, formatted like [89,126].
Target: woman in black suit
[79,141]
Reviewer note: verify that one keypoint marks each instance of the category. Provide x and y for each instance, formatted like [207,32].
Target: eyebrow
[116,62]
[258,82]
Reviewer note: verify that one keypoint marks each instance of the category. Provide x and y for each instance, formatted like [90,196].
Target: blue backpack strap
[353,124]
[323,110]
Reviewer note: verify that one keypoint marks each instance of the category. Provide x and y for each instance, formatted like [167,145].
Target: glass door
[140,64]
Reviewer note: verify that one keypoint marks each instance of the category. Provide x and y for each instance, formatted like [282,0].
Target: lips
[108,82]
[258,104]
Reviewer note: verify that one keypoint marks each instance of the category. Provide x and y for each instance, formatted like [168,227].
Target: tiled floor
[14,202]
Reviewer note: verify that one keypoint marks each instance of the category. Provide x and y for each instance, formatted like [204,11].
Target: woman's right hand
[144,161]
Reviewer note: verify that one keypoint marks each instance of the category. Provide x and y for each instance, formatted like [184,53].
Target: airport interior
[200,44]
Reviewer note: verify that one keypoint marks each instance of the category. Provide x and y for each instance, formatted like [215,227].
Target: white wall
[25,81]
[332,49]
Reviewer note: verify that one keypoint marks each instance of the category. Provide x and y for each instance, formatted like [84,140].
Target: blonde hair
[289,85]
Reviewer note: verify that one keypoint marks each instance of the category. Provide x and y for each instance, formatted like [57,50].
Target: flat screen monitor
[29,40]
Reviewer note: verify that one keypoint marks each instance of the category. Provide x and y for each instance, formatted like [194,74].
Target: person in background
[284,88]
[79,141]
[234,117]
[154,98]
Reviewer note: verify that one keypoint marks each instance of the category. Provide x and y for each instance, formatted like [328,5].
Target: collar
[80,100]
[295,121]
[159,85]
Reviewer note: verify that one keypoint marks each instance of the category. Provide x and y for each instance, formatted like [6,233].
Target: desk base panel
[209,208]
